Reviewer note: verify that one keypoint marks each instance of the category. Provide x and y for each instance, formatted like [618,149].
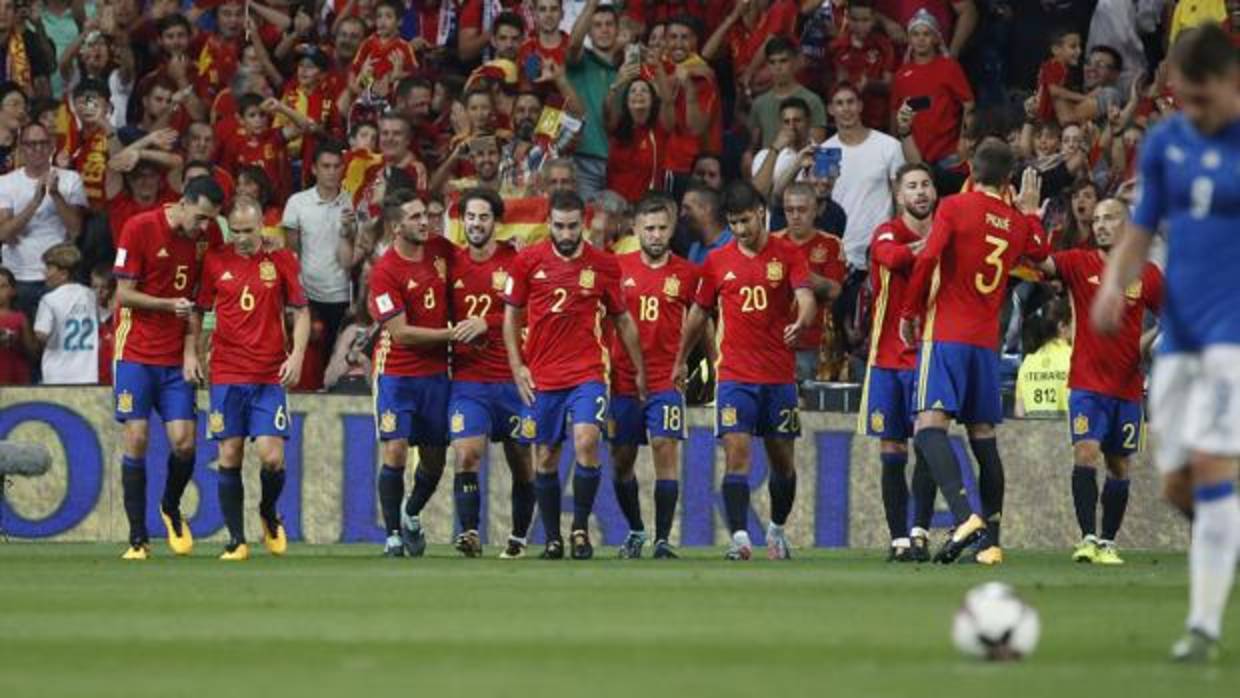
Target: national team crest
[215,422]
[671,286]
[499,279]
[1080,425]
[774,271]
[877,421]
[441,267]
[1133,292]
[267,271]
[727,416]
[124,402]
[528,429]
[458,423]
[387,422]
[586,280]
[818,255]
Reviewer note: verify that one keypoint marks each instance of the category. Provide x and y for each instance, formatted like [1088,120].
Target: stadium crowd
[315,109]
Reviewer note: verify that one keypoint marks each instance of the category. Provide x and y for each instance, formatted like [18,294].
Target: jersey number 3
[995,259]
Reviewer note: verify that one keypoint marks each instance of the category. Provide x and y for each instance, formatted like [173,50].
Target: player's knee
[468,459]
[135,438]
[1087,453]
[666,454]
[981,431]
[1117,466]
[585,443]
[395,453]
[893,447]
[231,453]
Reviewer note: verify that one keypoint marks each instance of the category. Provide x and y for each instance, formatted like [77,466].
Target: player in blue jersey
[1189,184]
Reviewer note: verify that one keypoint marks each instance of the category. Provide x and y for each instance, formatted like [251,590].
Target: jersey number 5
[994,259]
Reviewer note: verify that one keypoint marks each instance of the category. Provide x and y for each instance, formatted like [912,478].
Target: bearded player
[957,285]
[485,405]
[1106,382]
[409,299]
[754,282]
[886,411]
[658,290]
[1188,183]
[249,289]
[157,265]
[561,288]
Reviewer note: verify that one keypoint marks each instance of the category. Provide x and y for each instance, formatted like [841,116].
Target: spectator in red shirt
[549,43]
[480,26]
[957,19]
[384,57]
[259,143]
[640,114]
[930,75]
[1056,100]
[745,31]
[136,181]
[311,95]
[865,58]
[103,283]
[699,125]
[17,340]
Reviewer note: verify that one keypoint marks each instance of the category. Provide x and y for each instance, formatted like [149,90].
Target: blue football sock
[585,489]
[522,508]
[630,506]
[736,501]
[783,491]
[547,489]
[1085,498]
[934,446]
[424,484]
[666,492]
[133,484]
[391,492]
[924,493]
[1114,504]
[180,471]
[273,484]
[231,492]
[468,500]
[990,484]
[894,488]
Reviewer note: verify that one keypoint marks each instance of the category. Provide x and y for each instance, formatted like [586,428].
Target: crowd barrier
[332,464]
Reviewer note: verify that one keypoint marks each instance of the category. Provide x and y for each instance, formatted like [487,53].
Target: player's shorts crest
[124,402]
[528,428]
[458,423]
[387,421]
[878,423]
[267,272]
[727,416]
[1080,425]
[215,422]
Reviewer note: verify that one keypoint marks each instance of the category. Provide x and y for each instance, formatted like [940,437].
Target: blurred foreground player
[658,290]
[760,286]
[1188,183]
[1106,382]
[561,288]
[158,259]
[886,411]
[249,289]
[957,286]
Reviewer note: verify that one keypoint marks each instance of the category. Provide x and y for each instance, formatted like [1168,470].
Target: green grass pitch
[340,621]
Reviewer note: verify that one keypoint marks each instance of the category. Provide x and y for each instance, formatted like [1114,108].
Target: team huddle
[560,341]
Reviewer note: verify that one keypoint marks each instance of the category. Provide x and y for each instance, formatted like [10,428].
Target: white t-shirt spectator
[863,189]
[69,317]
[24,256]
[317,221]
[785,162]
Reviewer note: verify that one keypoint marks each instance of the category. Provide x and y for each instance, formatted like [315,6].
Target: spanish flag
[357,162]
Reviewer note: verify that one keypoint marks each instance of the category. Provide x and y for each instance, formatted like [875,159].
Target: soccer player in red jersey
[754,282]
[560,289]
[249,289]
[886,411]
[1107,385]
[409,299]
[975,241]
[826,268]
[485,404]
[658,290]
[157,264]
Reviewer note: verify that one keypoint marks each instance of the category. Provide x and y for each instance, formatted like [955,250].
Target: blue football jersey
[1191,182]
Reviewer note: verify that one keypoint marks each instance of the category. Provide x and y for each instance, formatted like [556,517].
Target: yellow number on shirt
[671,417]
[181,278]
[247,299]
[648,308]
[560,296]
[753,298]
[428,299]
[789,422]
[994,259]
[1130,436]
[479,305]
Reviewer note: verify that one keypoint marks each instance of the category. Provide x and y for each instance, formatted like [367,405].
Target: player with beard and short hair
[957,286]
[409,300]
[658,290]
[886,411]
[485,404]
[560,289]
[1107,385]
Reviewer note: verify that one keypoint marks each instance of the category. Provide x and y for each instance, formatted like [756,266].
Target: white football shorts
[1195,405]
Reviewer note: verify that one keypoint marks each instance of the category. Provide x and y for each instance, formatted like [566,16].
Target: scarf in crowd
[447,23]
[17,67]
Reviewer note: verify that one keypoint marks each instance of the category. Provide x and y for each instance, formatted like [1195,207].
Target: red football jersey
[564,301]
[165,264]
[90,160]
[873,59]
[891,261]
[657,298]
[826,259]
[1052,72]
[682,146]
[248,295]
[383,53]
[419,289]
[974,243]
[478,291]
[755,294]
[1107,365]
[266,150]
[936,130]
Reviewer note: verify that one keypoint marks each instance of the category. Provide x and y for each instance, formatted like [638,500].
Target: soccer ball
[994,624]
